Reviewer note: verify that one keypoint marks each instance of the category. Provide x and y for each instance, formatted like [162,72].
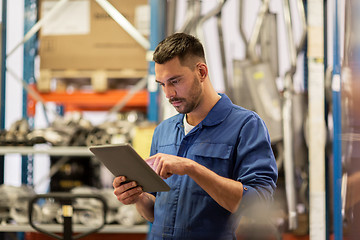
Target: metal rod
[287,111]
[241,28]
[213,12]
[222,48]
[289,167]
[216,11]
[135,89]
[337,151]
[157,33]
[189,17]
[290,35]
[256,31]
[301,10]
[3,83]
[31,91]
[38,25]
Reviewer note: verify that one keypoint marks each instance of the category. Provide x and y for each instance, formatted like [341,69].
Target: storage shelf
[89,100]
[53,151]
[58,228]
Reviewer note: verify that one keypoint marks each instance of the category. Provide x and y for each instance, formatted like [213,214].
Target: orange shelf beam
[93,101]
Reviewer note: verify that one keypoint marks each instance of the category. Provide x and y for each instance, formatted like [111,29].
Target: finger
[131,200]
[118,180]
[123,187]
[126,186]
[130,196]
[150,160]
[165,172]
[157,164]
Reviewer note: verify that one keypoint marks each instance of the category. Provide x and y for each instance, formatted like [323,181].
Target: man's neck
[199,114]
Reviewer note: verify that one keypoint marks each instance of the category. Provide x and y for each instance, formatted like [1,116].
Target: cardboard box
[83,36]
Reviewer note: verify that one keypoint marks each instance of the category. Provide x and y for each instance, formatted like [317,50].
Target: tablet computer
[123,160]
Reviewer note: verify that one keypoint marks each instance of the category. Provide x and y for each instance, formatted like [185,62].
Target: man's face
[180,84]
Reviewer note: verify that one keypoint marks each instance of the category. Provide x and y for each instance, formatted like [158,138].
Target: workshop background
[78,73]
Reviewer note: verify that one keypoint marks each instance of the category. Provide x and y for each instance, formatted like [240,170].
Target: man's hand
[226,192]
[126,192]
[166,165]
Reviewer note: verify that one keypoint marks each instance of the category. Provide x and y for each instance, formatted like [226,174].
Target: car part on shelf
[17,134]
[13,202]
[49,211]
[127,215]
[66,200]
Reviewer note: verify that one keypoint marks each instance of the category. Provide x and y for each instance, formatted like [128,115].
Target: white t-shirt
[187,126]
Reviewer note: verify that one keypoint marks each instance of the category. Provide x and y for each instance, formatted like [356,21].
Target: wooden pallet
[97,80]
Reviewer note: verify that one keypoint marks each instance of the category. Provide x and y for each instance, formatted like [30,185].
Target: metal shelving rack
[158,15]
[158,11]
[52,151]
[2,80]
[77,228]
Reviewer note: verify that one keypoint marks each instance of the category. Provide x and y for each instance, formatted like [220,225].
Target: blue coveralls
[231,141]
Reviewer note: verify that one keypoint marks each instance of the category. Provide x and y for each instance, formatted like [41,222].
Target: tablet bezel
[123,160]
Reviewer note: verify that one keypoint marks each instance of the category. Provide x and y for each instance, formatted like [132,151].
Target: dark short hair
[179,45]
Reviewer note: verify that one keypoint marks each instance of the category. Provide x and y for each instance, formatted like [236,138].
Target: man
[212,154]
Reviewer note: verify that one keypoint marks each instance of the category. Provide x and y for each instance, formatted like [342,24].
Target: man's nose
[169,91]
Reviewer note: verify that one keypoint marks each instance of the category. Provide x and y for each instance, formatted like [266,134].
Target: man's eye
[175,81]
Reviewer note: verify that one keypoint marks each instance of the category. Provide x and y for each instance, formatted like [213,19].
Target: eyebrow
[171,78]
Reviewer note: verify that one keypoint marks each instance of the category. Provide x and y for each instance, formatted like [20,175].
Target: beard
[191,102]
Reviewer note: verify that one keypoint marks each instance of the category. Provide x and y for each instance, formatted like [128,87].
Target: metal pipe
[290,36]
[301,10]
[193,17]
[287,112]
[213,12]
[222,47]
[216,11]
[241,29]
[256,31]
[289,167]
[189,17]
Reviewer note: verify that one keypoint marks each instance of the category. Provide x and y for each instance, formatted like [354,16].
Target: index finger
[150,160]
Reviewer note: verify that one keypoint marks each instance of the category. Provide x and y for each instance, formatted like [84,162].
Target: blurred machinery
[14,203]
[73,130]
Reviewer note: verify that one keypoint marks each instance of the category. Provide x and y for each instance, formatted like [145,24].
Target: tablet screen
[123,160]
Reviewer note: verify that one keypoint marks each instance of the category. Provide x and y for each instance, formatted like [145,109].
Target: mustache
[171,100]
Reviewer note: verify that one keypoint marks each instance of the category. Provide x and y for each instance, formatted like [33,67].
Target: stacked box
[83,36]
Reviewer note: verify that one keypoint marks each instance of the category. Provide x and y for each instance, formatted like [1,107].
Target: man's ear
[202,70]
